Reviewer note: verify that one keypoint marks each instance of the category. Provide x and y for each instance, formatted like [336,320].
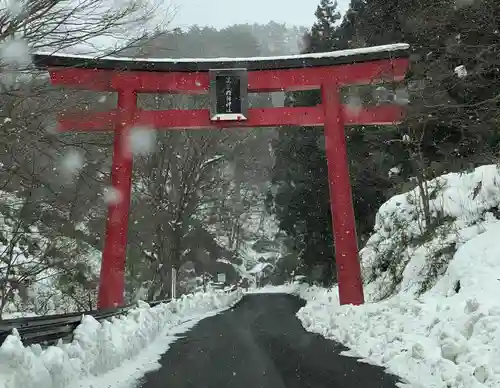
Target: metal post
[112,281]
[344,225]
[174,283]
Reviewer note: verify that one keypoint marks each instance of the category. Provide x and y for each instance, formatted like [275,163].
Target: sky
[223,13]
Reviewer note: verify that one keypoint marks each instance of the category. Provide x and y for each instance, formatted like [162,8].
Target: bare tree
[73,25]
[169,188]
[35,257]
[43,247]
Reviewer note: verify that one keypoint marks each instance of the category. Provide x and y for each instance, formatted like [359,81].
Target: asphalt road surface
[260,343]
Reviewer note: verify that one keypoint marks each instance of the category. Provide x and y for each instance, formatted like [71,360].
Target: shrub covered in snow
[459,206]
[99,347]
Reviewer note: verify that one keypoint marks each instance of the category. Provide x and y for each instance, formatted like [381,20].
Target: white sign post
[221,277]
[174,283]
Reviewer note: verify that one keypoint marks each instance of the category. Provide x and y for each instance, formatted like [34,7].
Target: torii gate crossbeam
[325,71]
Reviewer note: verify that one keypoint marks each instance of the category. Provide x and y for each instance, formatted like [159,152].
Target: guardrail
[49,329]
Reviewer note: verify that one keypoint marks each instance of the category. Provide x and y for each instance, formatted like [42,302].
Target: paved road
[260,343]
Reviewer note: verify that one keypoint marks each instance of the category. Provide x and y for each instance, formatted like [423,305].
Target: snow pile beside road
[289,288]
[442,339]
[408,253]
[99,347]
[448,335]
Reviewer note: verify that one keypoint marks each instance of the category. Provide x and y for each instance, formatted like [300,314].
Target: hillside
[433,315]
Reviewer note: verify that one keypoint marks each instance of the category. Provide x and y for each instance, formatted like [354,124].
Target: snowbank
[461,207]
[289,288]
[449,334]
[98,348]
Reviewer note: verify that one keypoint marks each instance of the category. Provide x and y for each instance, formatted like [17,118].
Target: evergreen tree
[301,199]
[322,36]
[452,120]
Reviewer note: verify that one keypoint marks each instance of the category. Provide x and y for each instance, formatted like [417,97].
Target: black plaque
[229,94]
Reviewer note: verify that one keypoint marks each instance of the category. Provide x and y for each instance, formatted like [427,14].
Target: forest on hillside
[452,121]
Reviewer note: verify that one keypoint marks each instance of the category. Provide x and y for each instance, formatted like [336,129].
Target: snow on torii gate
[228,81]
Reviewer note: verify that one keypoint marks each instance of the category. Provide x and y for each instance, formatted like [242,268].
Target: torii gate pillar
[228,82]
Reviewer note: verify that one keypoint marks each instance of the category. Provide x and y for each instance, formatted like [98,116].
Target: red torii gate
[229,80]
